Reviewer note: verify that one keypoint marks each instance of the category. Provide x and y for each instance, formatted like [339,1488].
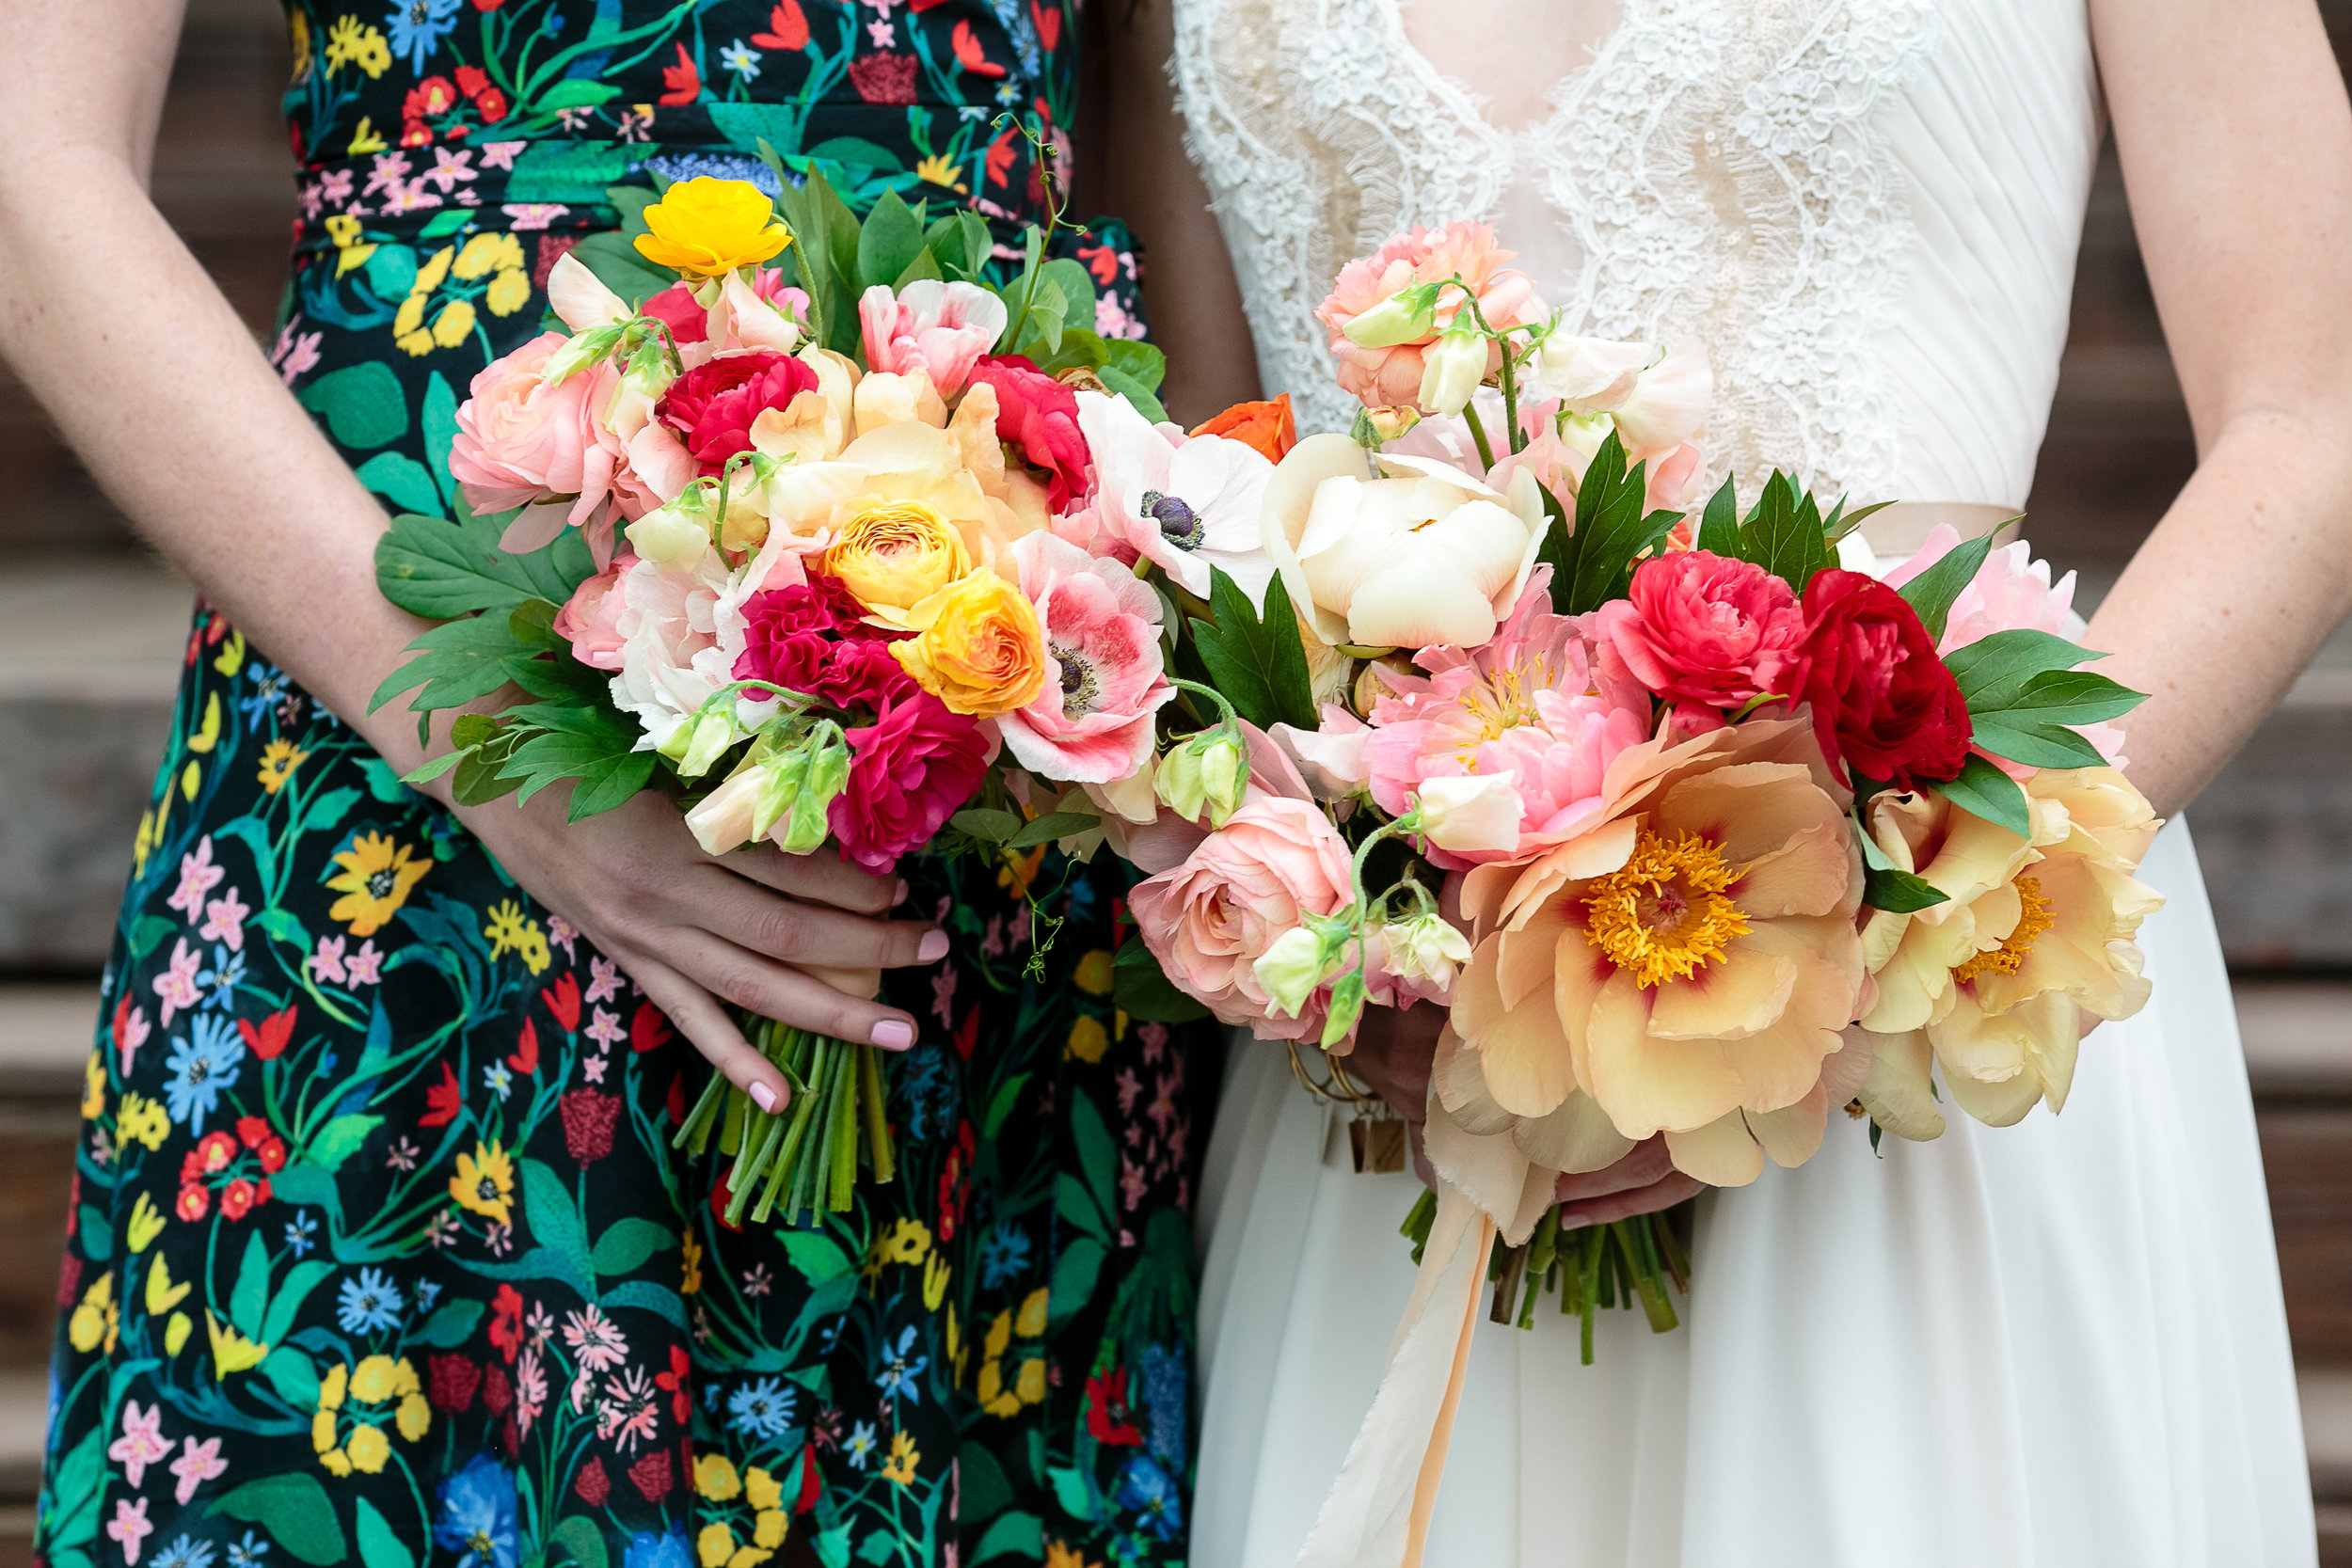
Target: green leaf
[1144,993]
[556,1224]
[591,745]
[573,92]
[1718,526]
[1146,402]
[362,405]
[856,154]
[443,224]
[1887,886]
[379,1544]
[300,1281]
[1136,359]
[1021,1535]
[2037,744]
[1098,1155]
[747,125]
[621,267]
[478,780]
[1053,824]
[1987,792]
[1992,671]
[980,1484]
[1931,592]
[1075,1272]
[889,241]
[1611,531]
[340,1139]
[1074,1490]
[1256,662]
[437,417]
[437,568]
[383,784]
[1073,286]
[627,1242]
[328,809]
[986,824]
[451,1325]
[1783,534]
[924,268]
[292,1374]
[1072,1203]
[457,662]
[2071,697]
[296,1511]
[251,1294]
[1000,1104]
[578,1534]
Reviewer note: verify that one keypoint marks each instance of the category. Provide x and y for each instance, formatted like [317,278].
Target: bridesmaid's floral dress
[379,1253]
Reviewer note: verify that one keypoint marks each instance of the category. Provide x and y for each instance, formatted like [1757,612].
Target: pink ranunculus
[1705,628]
[1092,724]
[712,406]
[1038,417]
[941,328]
[909,770]
[1531,702]
[521,441]
[1383,376]
[590,620]
[1211,918]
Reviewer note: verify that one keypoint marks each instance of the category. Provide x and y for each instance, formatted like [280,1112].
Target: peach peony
[1393,374]
[1700,955]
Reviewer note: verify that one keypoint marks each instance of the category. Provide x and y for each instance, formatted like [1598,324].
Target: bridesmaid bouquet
[1743,830]
[771,525]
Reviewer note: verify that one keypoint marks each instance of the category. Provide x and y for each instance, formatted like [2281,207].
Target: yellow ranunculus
[704,227]
[894,554]
[981,650]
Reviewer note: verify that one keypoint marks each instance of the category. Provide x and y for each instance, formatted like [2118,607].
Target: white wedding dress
[2059,1344]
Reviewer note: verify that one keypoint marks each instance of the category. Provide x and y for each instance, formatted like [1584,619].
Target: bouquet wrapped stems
[805,1157]
[1619,1264]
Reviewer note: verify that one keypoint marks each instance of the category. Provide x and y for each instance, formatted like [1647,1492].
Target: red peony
[712,406]
[1699,627]
[909,770]
[1038,417]
[1884,705]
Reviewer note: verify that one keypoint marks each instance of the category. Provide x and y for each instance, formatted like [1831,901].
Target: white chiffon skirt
[2057,1344]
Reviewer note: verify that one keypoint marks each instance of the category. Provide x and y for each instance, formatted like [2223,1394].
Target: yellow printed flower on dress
[904,1456]
[375,1382]
[349,43]
[511,932]
[279,758]
[706,226]
[484,1182]
[98,1318]
[376,877]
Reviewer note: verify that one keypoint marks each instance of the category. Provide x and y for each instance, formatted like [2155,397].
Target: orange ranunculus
[704,227]
[980,649]
[1267,428]
[894,554]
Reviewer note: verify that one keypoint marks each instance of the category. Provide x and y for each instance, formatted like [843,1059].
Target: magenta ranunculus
[1092,724]
[590,620]
[812,636]
[1038,417]
[712,406]
[1705,628]
[909,770]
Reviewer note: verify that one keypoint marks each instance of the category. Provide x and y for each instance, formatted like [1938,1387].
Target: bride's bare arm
[2236,144]
[154,379]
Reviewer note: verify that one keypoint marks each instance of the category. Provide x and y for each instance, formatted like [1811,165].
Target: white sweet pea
[674,538]
[1451,368]
[579,298]
[1422,947]
[1657,398]
[1472,812]
[1291,969]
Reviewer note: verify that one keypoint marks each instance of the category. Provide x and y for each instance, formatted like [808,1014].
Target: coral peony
[1529,705]
[712,406]
[1211,918]
[1038,417]
[1699,627]
[911,770]
[940,328]
[1393,374]
[1187,505]
[1091,722]
[1884,704]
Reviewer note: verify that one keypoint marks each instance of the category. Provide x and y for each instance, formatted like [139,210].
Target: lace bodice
[1865,210]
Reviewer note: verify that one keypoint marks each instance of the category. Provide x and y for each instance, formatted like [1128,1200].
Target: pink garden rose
[1037,418]
[909,770]
[1092,724]
[940,328]
[590,620]
[521,440]
[1384,376]
[1211,918]
[1529,706]
[1703,629]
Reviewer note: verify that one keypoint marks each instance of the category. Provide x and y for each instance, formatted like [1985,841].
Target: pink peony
[1703,629]
[1038,417]
[590,620]
[1093,721]
[1211,918]
[909,770]
[1384,376]
[940,328]
[1530,704]
[712,406]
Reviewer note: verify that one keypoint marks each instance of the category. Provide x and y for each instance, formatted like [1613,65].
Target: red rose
[1038,417]
[588,1119]
[675,307]
[1884,705]
[911,770]
[1699,627]
[712,406]
[592,1484]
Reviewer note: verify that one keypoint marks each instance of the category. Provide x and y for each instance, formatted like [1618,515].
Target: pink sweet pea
[1092,724]
[1384,376]
[941,328]
[590,620]
[1529,703]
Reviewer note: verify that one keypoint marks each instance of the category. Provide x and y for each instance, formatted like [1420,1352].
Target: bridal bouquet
[1743,829]
[770,526]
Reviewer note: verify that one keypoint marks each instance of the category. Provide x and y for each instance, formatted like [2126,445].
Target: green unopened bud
[695,745]
[1290,969]
[1206,772]
[799,791]
[1347,1006]
[585,349]
[1405,317]
[675,537]
[1374,426]
[1451,372]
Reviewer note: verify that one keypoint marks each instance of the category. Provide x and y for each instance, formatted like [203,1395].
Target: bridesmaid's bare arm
[155,381]
[2236,144]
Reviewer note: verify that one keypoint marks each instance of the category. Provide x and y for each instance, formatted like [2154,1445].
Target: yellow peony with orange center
[704,227]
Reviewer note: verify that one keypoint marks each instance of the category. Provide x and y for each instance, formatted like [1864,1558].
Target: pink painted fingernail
[763,1096]
[901,897]
[893,1033]
[933,947]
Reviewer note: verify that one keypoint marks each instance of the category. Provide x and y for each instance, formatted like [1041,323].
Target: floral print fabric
[378,1249]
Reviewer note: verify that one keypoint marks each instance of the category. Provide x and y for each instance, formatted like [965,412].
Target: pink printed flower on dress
[1390,370]
[941,328]
[1093,721]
